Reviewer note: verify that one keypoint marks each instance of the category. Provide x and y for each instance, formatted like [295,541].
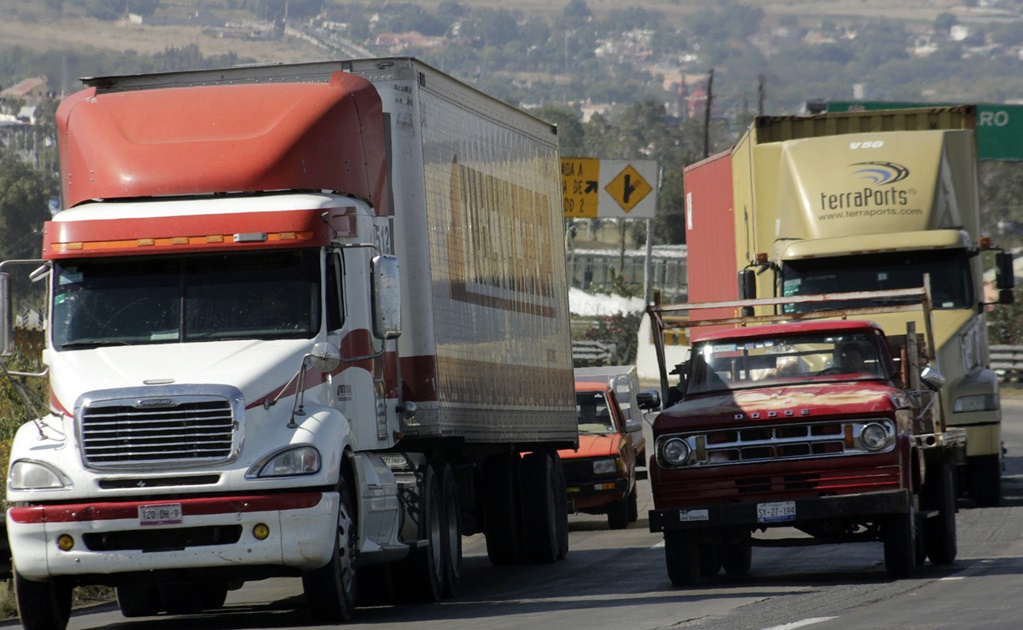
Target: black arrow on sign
[591,186]
[628,189]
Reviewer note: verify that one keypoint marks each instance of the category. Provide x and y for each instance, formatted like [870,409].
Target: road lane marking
[800,624]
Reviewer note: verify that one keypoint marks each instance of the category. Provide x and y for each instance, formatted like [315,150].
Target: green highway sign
[999,127]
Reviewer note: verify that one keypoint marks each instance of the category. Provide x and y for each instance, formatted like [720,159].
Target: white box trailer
[244,385]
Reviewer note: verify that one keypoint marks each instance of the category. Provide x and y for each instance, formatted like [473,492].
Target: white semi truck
[242,383]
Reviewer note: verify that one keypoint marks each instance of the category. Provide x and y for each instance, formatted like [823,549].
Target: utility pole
[706,113]
[760,94]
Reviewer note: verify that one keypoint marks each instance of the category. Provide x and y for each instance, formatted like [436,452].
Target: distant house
[33,89]
[397,42]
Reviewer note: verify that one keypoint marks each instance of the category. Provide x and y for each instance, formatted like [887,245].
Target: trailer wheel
[986,480]
[452,539]
[501,509]
[561,502]
[139,600]
[330,590]
[539,508]
[682,556]
[939,532]
[42,605]
[900,544]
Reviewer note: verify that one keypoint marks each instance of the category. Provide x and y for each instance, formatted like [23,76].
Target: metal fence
[1007,362]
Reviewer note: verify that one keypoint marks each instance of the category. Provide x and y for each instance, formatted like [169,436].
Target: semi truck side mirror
[1005,277]
[747,289]
[386,297]
[6,333]
[933,379]
[648,400]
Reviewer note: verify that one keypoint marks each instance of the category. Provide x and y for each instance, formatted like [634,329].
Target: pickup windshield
[594,413]
[951,284]
[174,299]
[762,362]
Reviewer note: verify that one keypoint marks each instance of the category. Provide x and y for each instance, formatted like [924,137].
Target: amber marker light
[849,440]
[65,542]
[261,531]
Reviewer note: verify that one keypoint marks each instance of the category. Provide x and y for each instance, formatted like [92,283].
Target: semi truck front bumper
[292,530]
[780,513]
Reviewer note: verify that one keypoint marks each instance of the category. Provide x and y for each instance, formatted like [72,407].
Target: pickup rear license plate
[776,512]
[165,514]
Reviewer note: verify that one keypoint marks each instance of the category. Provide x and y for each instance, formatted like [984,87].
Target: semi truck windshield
[951,284]
[251,295]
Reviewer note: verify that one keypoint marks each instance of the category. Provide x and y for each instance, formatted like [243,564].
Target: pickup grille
[186,431]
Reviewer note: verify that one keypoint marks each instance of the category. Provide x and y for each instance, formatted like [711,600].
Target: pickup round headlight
[675,452]
[604,467]
[31,475]
[301,460]
[874,437]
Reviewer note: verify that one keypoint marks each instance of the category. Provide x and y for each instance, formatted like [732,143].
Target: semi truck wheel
[939,532]
[139,600]
[425,577]
[986,480]
[42,605]
[539,508]
[330,590]
[681,554]
[501,509]
[452,541]
[900,544]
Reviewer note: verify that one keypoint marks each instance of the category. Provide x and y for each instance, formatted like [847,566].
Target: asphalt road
[617,579]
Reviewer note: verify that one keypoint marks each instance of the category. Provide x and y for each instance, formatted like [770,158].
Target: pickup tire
[42,605]
[939,531]
[139,600]
[330,590]
[899,532]
[540,509]
[985,473]
[737,557]
[561,494]
[634,505]
[682,557]
[618,514]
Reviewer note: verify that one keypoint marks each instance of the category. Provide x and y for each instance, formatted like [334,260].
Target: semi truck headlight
[983,402]
[604,467]
[874,437]
[32,475]
[674,452]
[301,460]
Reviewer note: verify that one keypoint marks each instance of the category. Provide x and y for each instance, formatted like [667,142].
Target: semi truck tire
[139,600]
[452,540]
[330,590]
[501,509]
[986,480]
[682,556]
[899,532]
[939,532]
[42,605]
[539,508]
[425,575]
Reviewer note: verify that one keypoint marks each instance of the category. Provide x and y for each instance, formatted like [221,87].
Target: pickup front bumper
[781,513]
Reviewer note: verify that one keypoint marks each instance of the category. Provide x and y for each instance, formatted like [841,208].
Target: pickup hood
[594,446]
[254,367]
[781,404]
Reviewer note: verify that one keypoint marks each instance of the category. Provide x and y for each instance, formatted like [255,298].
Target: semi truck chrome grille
[193,430]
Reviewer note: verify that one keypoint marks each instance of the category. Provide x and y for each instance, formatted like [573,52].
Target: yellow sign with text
[609,189]
[580,183]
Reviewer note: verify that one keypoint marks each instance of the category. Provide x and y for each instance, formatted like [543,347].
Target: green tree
[944,22]
[24,197]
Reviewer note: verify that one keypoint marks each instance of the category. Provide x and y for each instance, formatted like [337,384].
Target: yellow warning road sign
[628,188]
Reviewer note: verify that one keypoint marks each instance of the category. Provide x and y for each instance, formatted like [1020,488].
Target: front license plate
[165,514]
[776,512]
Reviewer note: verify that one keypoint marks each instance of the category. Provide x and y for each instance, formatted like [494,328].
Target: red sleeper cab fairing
[225,138]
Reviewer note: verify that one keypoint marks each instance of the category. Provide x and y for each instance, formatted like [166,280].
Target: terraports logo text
[879,192]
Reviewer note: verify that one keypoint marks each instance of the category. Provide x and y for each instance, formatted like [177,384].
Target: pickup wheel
[736,558]
[618,514]
[330,590]
[939,532]
[900,544]
[501,509]
[42,605]
[634,505]
[986,480]
[139,600]
[682,556]
[710,560]
[561,498]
